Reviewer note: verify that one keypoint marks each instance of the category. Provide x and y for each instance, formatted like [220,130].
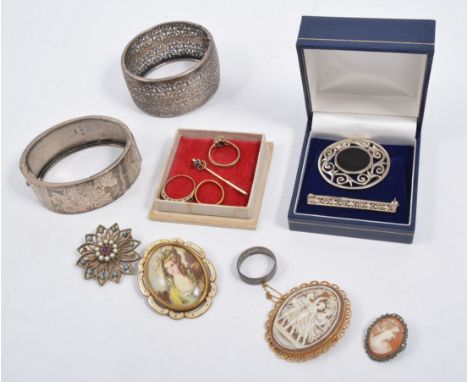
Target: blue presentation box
[363,78]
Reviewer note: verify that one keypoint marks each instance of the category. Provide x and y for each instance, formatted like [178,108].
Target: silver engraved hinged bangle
[68,137]
[159,45]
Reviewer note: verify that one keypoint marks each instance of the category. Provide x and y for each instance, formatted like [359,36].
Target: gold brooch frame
[324,344]
[164,308]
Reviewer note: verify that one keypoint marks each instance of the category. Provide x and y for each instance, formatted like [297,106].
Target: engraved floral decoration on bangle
[108,254]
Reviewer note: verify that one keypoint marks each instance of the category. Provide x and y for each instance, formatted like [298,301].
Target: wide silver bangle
[178,94]
[68,137]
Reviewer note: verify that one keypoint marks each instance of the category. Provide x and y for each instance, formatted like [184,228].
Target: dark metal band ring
[256,251]
[68,137]
[181,93]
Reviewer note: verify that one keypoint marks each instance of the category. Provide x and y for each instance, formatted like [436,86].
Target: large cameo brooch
[306,321]
[354,163]
[386,337]
[177,278]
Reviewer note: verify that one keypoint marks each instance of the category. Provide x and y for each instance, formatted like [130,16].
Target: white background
[61,59]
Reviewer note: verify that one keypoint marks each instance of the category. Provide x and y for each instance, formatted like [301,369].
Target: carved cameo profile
[354,164]
[386,337]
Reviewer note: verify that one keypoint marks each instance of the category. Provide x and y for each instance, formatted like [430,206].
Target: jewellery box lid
[366,66]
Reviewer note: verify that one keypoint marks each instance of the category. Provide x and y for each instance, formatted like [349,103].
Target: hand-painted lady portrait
[176,277]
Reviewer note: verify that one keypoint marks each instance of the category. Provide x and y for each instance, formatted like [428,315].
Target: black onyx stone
[353,159]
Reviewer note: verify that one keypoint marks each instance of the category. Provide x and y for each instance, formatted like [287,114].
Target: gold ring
[221,141]
[185,198]
[209,181]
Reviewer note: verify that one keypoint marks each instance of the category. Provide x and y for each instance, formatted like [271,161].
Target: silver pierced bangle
[178,94]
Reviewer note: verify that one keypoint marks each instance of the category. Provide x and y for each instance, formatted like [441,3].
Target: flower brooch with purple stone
[108,254]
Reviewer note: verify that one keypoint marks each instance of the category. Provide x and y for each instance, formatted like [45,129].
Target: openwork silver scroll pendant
[307,320]
[354,164]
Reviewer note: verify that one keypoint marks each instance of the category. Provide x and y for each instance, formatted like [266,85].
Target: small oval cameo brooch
[386,337]
[177,278]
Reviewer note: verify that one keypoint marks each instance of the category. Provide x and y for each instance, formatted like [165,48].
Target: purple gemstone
[105,250]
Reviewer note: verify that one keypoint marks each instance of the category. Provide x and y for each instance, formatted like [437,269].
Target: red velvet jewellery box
[249,173]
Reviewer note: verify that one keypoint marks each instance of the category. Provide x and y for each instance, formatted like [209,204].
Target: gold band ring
[209,181]
[185,198]
[221,141]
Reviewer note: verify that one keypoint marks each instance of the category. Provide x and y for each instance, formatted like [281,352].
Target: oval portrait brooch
[307,320]
[177,278]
